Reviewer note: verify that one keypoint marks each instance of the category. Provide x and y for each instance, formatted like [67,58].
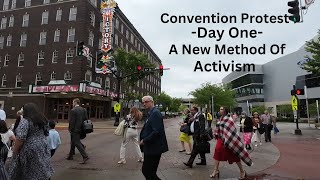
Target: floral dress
[33,160]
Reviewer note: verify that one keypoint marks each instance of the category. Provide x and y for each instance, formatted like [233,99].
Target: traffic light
[139,68]
[294,10]
[80,48]
[161,70]
[297,92]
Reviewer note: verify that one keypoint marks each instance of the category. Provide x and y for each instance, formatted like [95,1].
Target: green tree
[182,108]
[313,63]
[285,110]
[163,99]
[258,109]
[175,104]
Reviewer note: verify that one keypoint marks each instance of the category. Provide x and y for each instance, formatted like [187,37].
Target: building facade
[39,64]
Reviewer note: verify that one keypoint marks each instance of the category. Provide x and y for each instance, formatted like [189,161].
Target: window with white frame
[55,56]
[46,1]
[1,42]
[6,5]
[3,23]
[59,15]
[127,34]
[43,38]
[45,17]
[25,21]
[92,18]
[56,35]
[122,29]
[116,39]
[114,86]
[107,83]
[4,81]
[99,80]
[121,43]
[89,58]
[53,76]
[14,4]
[91,38]
[73,14]
[9,40]
[117,23]
[38,81]
[67,75]
[101,24]
[69,56]
[6,60]
[88,76]
[71,35]
[18,81]
[40,61]
[127,47]
[23,40]
[94,2]
[11,21]
[27,3]
[132,39]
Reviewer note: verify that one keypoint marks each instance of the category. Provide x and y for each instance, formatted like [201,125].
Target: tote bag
[120,129]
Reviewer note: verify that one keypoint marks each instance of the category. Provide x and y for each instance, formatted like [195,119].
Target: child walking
[53,138]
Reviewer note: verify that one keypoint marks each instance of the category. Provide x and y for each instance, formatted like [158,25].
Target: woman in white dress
[7,136]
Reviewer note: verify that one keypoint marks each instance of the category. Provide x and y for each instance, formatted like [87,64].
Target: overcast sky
[180,79]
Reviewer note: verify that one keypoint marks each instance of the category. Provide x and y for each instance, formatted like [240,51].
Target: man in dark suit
[77,115]
[153,140]
[197,128]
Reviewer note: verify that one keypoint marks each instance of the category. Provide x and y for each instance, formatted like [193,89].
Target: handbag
[203,146]
[185,129]
[120,129]
[87,126]
[276,130]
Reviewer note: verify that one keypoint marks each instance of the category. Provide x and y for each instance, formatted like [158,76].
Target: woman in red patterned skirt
[228,146]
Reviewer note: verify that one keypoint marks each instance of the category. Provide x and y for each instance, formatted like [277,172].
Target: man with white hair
[2,114]
[153,140]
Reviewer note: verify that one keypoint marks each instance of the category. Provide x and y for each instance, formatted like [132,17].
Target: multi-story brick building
[38,61]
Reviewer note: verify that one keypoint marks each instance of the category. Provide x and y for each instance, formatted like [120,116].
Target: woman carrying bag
[185,131]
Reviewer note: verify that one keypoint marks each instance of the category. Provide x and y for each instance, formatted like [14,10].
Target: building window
[100,43]
[121,43]
[127,47]
[55,56]
[14,4]
[92,19]
[114,86]
[18,81]
[25,21]
[1,42]
[27,3]
[6,60]
[69,56]
[101,24]
[59,15]
[43,38]
[53,76]
[9,40]
[56,36]
[40,59]
[122,29]
[132,39]
[67,75]
[23,40]
[46,1]
[6,5]
[3,23]
[45,17]
[99,80]
[11,21]
[71,35]
[107,83]
[117,23]
[89,58]
[116,39]
[73,14]
[38,80]
[127,34]
[91,38]
[4,81]
[88,76]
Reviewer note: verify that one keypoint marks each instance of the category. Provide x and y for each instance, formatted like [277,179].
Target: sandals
[182,150]
[244,175]
[215,174]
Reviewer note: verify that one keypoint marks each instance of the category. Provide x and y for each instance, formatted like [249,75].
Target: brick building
[38,61]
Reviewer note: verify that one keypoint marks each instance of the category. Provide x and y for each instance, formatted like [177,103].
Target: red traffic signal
[300,92]
[161,70]
[161,67]
[139,68]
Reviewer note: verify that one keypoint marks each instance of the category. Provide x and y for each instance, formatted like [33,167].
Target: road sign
[117,107]
[294,103]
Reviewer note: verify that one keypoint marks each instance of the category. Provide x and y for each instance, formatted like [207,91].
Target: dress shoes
[85,160]
[187,164]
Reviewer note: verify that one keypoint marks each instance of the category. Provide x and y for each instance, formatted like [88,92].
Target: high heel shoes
[243,176]
[215,174]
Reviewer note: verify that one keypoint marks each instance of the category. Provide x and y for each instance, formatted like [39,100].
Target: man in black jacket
[197,128]
[152,140]
[77,115]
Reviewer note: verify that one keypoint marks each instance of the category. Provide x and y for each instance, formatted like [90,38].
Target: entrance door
[63,112]
[99,112]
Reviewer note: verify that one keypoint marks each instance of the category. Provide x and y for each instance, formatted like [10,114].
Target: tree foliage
[258,109]
[313,63]
[168,103]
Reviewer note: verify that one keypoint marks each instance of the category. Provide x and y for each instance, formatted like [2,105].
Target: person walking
[3,115]
[152,139]
[209,119]
[53,138]
[197,129]
[266,119]
[7,136]
[228,146]
[184,136]
[31,153]
[246,127]
[77,115]
[257,129]
[131,134]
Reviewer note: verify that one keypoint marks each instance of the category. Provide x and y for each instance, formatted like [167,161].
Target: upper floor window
[69,56]
[38,81]
[9,40]
[132,39]
[56,36]
[18,81]
[89,61]
[46,1]
[107,83]
[43,38]
[23,40]
[117,23]
[53,76]
[3,23]
[116,39]
[40,61]
[91,38]
[1,42]
[99,80]
[67,75]
[4,81]
[14,4]
[25,21]
[122,29]
[6,5]
[92,19]
[59,15]
[27,3]
[88,76]
[71,35]
[45,17]
[127,34]
[11,21]
[73,14]
[55,56]
[6,60]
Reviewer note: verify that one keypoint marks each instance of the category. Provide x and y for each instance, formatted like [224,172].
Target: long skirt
[222,153]
[247,137]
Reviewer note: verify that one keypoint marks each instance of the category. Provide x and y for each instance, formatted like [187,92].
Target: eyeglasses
[221,109]
[145,101]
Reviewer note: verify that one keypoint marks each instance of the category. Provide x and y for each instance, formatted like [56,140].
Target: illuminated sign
[107,10]
[54,89]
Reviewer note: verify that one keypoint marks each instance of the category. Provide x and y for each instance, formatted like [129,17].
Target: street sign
[117,107]
[294,103]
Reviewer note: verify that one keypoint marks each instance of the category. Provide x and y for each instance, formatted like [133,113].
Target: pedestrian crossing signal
[300,92]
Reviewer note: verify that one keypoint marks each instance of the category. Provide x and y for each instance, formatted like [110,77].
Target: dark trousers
[195,152]
[150,166]
[209,123]
[52,152]
[267,135]
[75,142]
